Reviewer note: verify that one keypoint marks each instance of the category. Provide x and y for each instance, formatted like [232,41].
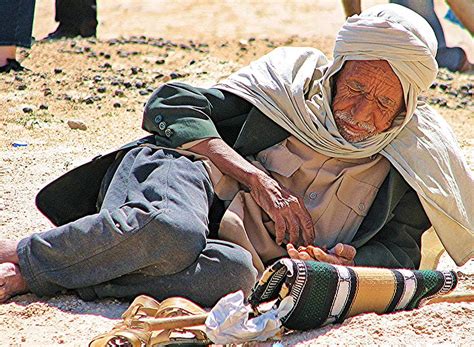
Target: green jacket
[390,235]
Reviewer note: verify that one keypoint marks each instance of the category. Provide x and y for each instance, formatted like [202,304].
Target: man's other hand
[340,254]
[286,210]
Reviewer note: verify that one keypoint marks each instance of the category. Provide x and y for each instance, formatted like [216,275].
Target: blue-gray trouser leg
[150,237]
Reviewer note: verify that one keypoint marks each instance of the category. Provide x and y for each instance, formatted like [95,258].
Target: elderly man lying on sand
[293,155]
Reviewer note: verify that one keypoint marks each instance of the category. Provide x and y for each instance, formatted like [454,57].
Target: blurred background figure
[16,24]
[452,58]
[75,18]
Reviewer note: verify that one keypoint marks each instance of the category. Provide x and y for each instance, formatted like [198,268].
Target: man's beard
[343,118]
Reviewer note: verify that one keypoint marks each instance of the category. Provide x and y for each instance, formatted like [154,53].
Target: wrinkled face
[368,97]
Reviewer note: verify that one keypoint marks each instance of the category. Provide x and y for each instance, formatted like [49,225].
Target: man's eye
[386,102]
[355,86]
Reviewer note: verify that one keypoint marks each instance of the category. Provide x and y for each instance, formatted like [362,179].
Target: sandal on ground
[147,322]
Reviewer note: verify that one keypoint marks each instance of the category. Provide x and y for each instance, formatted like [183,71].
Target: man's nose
[362,110]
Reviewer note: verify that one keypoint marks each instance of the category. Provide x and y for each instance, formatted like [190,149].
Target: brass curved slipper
[147,322]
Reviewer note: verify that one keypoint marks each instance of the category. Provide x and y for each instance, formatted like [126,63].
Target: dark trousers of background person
[16,22]
[78,15]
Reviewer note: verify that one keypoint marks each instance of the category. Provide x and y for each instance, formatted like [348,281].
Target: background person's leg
[452,58]
[155,213]
[425,9]
[16,18]
[221,268]
[75,17]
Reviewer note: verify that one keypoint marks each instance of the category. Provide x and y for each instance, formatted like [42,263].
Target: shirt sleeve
[398,243]
[177,114]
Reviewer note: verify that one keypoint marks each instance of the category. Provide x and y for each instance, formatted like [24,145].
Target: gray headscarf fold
[292,86]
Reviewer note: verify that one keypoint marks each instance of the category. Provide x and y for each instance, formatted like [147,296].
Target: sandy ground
[104,83]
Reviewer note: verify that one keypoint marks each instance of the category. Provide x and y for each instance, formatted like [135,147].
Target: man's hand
[286,210]
[340,254]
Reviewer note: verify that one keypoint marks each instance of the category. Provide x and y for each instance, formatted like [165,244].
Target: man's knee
[238,272]
[179,240]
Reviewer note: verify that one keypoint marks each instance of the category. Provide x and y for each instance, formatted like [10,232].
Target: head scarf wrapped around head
[397,35]
[292,86]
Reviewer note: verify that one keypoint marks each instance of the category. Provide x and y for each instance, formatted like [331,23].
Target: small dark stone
[144,92]
[134,70]
[442,102]
[27,110]
[47,92]
[160,61]
[119,92]
[175,75]
[453,92]
[150,89]
[21,87]
[117,104]
[57,70]
[89,100]
[87,49]
[139,84]
[19,78]
[107,56]
[97,78]
[434,85]
[127,84]
[43,107]
[192,62]
[422,98]
[443,86]
[158,76]
[113,42]
[115,82]
[106,66]
[101,89]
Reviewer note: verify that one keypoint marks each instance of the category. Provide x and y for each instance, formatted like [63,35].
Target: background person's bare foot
[11,281]
[8,251]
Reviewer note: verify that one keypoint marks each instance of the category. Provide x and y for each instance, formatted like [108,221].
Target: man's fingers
[345,251]
[305,256]
[298,253]
[307,228]
[318,254]
[280,230]
[293,230]
[292,252]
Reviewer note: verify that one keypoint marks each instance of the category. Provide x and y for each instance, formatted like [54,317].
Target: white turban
[396,34]
[292,86]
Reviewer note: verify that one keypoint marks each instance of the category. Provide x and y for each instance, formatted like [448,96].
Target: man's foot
[11,65]
[11,281]
[63,31]
[86,29]
[8,251]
